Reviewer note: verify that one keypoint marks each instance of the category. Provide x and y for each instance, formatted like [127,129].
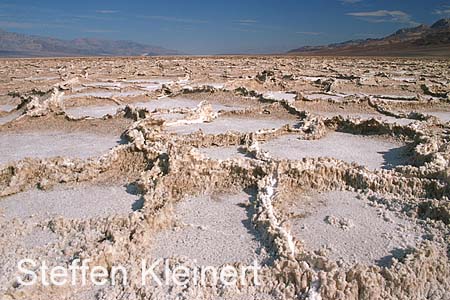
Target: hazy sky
[219,26]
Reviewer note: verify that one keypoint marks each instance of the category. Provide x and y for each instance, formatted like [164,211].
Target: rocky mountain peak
[441,24]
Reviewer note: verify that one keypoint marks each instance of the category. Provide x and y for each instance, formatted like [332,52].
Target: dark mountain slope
[422,40]
[20,45]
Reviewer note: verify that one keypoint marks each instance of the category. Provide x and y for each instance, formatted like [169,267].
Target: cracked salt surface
[100,111]
[150,80]
[222,153]
[180,102]
[43,78]
[38,237]
[78,202]
[369,151]
[217,85]
[383,118]
[169,116]
[9,117]
[217,231]
[375,236]
[92,111]
[104,84]
[25,240]
[324,97]
[224,124]
[280,96]
[213,230]
[167,103]
[444,116]
[104,94]
[247,295]
[7,107]
[16,146]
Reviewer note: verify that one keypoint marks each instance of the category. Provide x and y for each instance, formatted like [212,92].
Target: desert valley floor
[333,173]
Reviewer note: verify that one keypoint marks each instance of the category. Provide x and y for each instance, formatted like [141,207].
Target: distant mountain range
[21,45]
[422,40]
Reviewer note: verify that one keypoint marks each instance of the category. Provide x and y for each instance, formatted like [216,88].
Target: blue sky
[219,26]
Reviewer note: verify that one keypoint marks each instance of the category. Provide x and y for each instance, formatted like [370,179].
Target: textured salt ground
[78,202]
[170,103]
[324,97]
[217,85]
[277,95]
[167,103]
[387,119]
[92,111]
[444,116]
[370,151]
[247,296]
[112,84]
[21,214]
[407,79]
[43,78]
[100,111]
[317,64]
[150,80]
[376,235]
[378,92]
[7,107]
[114,87]
[224,124]
[169,116]
[9,117]
[16,146]
[213,230]
[146,84]
[25,240]
[38,237]
[104,94]
[222,153]
[313,78]
[16,243]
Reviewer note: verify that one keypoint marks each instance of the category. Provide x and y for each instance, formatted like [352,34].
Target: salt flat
[372,152]
[141,184]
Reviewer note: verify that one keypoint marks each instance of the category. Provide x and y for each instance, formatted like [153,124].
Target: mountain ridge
[21,45]
[422,40]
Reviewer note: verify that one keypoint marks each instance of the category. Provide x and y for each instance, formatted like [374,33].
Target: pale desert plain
[333,173]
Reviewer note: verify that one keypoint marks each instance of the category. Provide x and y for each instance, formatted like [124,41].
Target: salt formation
[155,170]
